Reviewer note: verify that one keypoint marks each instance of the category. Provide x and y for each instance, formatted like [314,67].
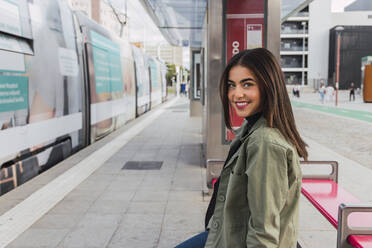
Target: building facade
[322,48]
[294,52]
[167,53]
[306,41]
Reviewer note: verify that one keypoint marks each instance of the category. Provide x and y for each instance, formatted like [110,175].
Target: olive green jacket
[257,202]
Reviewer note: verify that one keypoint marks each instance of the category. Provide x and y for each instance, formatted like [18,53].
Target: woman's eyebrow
[246,79]
[241,81]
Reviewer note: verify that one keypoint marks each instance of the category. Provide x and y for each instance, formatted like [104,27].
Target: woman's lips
[241,105]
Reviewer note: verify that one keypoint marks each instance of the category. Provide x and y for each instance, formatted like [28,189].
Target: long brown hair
[276,107]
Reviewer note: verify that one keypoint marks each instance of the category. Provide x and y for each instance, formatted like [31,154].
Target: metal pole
[338,64]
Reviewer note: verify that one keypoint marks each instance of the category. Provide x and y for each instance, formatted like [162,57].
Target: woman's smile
[241,104]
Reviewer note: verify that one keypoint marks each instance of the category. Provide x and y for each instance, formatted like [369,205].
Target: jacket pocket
[236,195]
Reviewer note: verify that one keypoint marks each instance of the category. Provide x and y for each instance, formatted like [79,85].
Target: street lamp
[338,30]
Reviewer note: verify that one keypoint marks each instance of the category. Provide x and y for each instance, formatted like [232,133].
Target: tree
[120,16]
[171,74]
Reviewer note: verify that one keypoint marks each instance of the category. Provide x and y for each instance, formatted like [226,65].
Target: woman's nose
[239,92]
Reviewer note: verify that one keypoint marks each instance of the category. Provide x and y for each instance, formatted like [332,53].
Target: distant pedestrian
[322,91]
[183,89]
[298,88]
[352,91]
[296,91]
[330,91]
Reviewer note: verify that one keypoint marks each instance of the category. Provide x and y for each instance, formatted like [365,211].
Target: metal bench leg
[344,230]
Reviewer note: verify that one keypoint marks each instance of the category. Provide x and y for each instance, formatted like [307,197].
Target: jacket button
[221,198]
[215,224]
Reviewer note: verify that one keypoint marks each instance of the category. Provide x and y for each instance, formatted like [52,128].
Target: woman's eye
[230,85]
[247,85]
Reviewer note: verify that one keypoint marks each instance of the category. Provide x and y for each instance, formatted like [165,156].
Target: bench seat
[360,241]
[326,195]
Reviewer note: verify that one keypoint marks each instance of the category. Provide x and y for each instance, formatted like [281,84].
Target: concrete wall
[196,108]
[357,18]
[320,22]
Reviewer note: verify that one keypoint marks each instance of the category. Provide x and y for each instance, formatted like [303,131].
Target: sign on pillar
[244,30]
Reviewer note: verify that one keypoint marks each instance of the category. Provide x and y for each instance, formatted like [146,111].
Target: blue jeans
[197,241]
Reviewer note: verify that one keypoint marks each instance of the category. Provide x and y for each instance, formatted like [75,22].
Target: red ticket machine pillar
[245,24]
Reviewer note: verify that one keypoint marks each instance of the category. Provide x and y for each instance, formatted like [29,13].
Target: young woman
[256,200]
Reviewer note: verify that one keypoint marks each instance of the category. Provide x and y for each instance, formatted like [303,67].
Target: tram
[65,82]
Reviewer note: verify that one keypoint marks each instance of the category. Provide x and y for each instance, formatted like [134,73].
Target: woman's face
[243,92]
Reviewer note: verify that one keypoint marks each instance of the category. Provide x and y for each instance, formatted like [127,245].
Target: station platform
[89,200]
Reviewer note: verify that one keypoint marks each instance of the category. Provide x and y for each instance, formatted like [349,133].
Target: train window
[15,44]
[15,27]
[15,18]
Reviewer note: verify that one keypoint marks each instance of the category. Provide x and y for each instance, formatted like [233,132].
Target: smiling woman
[255,202]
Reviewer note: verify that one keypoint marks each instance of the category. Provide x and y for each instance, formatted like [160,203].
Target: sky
[339,5]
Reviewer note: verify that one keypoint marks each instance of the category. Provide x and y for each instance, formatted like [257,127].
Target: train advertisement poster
[244,30]
[107,64]
[13,93]
[12,62]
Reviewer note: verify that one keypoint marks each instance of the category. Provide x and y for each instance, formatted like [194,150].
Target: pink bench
[344,211]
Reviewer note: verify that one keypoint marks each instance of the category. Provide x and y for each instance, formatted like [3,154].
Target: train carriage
[65,82]
[40,102]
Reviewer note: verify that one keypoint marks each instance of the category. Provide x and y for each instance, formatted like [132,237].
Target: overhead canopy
[181,21]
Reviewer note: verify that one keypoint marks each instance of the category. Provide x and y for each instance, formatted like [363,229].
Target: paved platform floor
[134,208]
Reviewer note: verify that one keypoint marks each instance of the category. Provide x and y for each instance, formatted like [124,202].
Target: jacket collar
[261,122]
[242,135]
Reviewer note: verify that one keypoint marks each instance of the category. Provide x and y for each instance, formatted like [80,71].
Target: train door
[142,82]
[164,81]
[104,79]
[156,93]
